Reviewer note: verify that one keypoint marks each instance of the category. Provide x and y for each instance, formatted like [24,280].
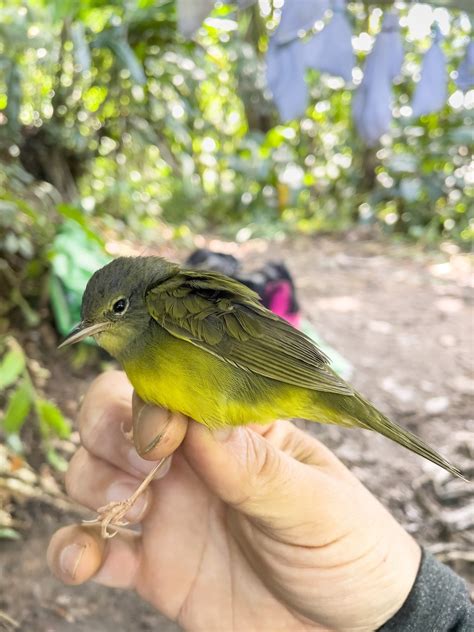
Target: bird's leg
[113,514]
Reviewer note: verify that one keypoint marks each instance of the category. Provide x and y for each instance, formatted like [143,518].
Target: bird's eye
[120,306]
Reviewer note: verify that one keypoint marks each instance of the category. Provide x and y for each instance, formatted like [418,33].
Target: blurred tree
[124,118]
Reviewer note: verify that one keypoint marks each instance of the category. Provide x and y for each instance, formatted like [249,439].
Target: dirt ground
[404,320]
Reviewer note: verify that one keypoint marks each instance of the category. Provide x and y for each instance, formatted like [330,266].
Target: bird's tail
[354,410]
[375,420]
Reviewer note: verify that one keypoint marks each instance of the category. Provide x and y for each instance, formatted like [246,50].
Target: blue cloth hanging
[431,91]
[371,104]
[285,78]
[298,16]
[465,78]
[331,50]
[286,56]
[390,45]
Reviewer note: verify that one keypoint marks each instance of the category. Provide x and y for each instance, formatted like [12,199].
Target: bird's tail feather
[378,422]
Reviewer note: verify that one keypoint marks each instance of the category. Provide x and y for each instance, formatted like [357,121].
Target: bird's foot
[111,517]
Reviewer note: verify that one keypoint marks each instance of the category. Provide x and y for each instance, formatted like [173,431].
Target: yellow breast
[182,377]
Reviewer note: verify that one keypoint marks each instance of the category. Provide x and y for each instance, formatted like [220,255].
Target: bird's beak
[82,331]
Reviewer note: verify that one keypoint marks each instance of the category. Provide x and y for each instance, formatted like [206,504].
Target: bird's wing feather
[226,319]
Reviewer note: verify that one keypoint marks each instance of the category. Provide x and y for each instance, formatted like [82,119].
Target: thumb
[248,472]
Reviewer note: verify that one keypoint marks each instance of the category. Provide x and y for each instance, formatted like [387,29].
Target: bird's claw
[111,515]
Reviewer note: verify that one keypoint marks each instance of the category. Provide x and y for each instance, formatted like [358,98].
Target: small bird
[202,344]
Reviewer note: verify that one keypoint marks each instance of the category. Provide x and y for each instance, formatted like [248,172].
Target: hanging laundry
[389,45]
[371,108]
[371,104]
[286,56]
[465,78]
[285,78]
[331,50]
[298,16]
[431,91]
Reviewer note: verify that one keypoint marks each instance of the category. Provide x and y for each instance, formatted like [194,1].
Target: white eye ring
[120,306]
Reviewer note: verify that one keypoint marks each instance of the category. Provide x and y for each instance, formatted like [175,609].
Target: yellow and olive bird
[202,344]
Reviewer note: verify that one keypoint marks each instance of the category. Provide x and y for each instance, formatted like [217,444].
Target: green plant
[128,122]
[23,401]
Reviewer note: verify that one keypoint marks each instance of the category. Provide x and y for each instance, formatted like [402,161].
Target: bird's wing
[225,318]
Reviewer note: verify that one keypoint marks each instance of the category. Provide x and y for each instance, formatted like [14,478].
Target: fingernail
[150,427]
[123,491]
[70,558]
[223,434]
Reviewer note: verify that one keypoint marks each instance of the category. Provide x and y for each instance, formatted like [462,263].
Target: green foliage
[7,533]
[12,366]
[21,398]
[51,420]
[130,123]
[126,120]
[19,405]
[27,224]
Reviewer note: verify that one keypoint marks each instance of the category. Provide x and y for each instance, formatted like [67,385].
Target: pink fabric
[280,302]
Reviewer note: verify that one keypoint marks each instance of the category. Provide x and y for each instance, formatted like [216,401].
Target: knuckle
[263,464]
[75,473]
[292,441]
[107,387]
[100,419]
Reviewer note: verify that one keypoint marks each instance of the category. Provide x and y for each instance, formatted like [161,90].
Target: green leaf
[115,40]
[56,460]
[11,367]
[19,405]
[61,9]
[77,215]
[51,418]
[7,533]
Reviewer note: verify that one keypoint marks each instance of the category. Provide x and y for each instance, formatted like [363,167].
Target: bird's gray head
[113,306]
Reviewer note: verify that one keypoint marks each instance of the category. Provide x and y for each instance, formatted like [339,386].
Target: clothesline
[294,47]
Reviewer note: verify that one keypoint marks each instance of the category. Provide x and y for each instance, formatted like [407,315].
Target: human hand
[258,528]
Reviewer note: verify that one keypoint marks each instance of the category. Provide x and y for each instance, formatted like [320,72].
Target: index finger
[105,421]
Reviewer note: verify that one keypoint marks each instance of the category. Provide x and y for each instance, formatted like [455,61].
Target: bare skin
[258,528]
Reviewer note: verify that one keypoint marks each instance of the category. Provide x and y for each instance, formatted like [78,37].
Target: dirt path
[405,321]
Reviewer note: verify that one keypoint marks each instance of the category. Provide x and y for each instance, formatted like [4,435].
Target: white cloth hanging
[298,16]
[465,78]
[371,108]
[331,49]
[286,58]
[431,91]
[285,78]
[371,104]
